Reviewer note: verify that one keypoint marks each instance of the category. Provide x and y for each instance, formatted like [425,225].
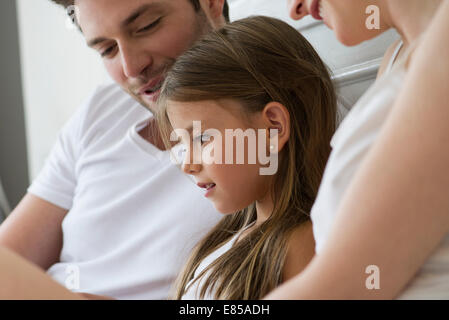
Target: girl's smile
[208,186]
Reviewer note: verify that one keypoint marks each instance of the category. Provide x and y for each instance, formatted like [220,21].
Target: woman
[381,216]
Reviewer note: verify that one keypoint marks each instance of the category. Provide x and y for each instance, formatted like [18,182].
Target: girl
[256,74]
[383,197]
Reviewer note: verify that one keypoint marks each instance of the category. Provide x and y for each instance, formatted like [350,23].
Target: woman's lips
[315,10]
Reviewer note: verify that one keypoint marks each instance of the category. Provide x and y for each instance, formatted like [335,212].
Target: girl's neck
[411,17]
[264,208]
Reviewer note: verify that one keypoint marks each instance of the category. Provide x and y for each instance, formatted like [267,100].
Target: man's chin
[150,100]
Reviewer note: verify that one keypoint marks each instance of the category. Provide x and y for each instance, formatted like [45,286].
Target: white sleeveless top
[350,144]
[195,286]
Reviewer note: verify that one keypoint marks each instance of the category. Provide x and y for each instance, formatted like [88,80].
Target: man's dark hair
[195,3]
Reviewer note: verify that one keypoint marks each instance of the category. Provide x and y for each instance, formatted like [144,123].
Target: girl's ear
[276,116]
[297,9]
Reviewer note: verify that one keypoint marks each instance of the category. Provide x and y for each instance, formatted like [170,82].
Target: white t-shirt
[194,287]
[133,215]
[350,144]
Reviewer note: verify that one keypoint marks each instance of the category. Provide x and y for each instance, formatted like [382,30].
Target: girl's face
[353,21]
[230,186]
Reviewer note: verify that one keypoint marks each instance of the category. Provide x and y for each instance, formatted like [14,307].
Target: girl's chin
[225,210]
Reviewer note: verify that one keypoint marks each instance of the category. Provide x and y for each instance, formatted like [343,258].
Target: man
[110,214]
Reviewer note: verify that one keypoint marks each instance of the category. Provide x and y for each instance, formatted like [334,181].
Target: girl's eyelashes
[203,138]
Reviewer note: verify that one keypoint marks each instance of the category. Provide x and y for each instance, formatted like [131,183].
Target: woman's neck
[411,17]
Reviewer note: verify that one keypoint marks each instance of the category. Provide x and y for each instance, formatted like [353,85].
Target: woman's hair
[255,61]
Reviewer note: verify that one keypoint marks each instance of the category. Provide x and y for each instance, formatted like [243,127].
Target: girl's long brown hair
[255,61]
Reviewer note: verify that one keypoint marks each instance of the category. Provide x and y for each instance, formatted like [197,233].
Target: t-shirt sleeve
[57,181]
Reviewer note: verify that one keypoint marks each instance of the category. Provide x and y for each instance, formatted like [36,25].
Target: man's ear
[276,116]
[214,11]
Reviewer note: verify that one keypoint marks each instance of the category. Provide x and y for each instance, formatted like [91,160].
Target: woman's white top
[350,144]
[195,286]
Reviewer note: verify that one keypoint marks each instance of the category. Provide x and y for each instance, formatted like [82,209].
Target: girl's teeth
[320,9]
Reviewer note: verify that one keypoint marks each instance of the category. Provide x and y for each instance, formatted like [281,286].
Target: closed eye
[150,26]
[108,51]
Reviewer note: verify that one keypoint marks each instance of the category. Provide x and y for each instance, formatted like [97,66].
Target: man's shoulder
[107,110]
[109,104]
[109,98]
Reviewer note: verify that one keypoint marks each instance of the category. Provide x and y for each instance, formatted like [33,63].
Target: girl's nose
[189,166]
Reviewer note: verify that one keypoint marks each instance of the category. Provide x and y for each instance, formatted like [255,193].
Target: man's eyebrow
[132,17]
[95,41]
[136,13]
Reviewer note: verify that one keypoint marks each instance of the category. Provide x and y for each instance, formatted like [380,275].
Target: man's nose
[298,9]
[134,61]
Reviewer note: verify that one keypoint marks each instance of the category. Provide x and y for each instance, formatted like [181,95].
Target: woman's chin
[347,38]
[350,38]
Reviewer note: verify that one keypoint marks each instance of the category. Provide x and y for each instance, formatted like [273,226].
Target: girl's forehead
[211,111]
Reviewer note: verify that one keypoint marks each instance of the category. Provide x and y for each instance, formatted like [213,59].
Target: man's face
[139,40]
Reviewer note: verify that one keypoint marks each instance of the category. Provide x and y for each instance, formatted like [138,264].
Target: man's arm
[33,230]
[22,280]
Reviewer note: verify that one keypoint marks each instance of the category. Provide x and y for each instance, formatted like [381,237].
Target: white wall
[58,72]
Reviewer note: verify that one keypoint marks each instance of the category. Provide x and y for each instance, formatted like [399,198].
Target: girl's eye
[203,138]
[150,26]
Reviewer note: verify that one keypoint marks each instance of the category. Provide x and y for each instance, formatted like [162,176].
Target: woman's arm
[300,250]
[396,210]
[21,280]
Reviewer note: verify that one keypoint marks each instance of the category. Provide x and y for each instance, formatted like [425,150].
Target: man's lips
[152,86]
